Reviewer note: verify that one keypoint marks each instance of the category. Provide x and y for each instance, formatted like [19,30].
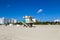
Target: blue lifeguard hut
[27,22]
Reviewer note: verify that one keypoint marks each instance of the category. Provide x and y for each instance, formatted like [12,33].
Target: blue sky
[49,9]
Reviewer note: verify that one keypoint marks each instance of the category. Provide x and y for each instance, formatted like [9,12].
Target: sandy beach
[39,32]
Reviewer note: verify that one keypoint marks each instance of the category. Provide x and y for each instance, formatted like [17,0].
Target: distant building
[12,21]
[6,21]
[35,20]
[3,20]
[15,21]
[57,20]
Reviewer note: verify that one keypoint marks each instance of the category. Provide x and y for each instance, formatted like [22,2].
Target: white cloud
[40,10]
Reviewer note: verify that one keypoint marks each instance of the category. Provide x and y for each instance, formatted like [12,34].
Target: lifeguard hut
[27,21]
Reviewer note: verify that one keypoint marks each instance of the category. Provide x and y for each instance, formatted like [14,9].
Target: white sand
[40,32]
